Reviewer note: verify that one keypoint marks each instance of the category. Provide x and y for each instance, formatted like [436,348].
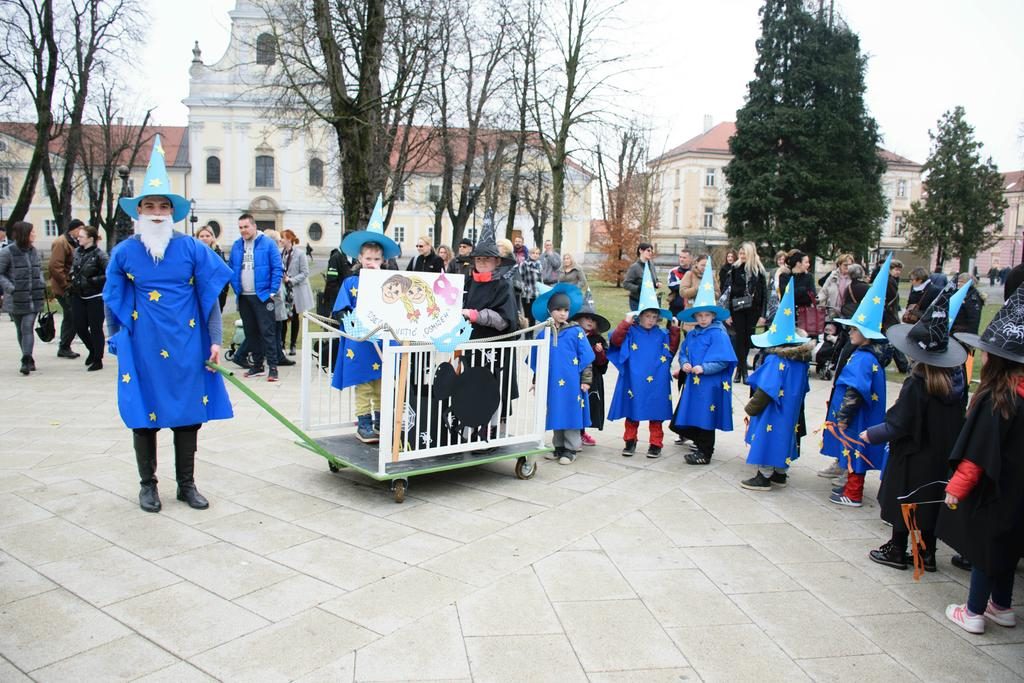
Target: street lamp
[192,216]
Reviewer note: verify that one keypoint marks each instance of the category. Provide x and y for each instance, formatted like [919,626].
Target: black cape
[926,427]
[988,525]
[499,296]
[597,409]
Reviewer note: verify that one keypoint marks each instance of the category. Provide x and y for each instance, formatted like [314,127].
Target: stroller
[237,339]
[826,353]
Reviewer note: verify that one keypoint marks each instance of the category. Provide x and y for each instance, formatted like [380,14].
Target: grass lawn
[610,301]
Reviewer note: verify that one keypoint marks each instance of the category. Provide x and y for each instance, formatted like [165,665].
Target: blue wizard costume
[644,360]
[858,397]
[776,407]
[359,362]
[705,404]
[569,366]
[164,315]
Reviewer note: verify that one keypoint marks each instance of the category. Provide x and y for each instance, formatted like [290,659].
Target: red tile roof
[173,138]
[1013,181]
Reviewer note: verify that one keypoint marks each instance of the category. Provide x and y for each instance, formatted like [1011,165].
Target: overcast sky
[696,57]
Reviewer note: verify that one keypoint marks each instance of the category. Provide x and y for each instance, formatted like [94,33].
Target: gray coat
[21,278]
[550,264]
[298,273]
[634,278]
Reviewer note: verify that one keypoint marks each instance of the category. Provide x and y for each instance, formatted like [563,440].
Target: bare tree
[536,189]
[522,55]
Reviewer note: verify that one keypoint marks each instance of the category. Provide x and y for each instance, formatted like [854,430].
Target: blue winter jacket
[268,270]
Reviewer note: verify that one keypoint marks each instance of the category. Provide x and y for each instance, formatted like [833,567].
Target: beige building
[694,192]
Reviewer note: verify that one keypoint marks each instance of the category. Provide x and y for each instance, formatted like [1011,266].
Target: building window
[51,228]
[398,233]
[400,193]
[316,232]
[264,171]
[709,216]
[316,173]
[675,214]
[5,187]
[677,181]
[709,177]
[901,188]
[899,224]
[3,146]
[434,193]
[213,170]
[266,47]
[215,226]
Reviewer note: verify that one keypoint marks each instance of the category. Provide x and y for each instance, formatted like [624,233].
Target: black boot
[24,365]
[31,364]
[145,457]
[185,468]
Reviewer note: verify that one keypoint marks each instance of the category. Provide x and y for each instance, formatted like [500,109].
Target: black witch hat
[1004,336]
[487,244]
[588,312]
[927,340]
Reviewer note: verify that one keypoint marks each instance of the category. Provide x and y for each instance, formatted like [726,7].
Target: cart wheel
[333,467]
[398,489]
[525,468]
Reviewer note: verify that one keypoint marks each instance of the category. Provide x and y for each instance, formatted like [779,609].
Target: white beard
[155,234]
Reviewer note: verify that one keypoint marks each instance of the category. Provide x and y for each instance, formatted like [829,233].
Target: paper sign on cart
[418,306]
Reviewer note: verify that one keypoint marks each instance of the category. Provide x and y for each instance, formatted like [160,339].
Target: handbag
[811,319]
[45,327]
[742,303]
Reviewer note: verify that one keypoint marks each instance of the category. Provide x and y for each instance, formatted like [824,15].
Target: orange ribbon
[849,442]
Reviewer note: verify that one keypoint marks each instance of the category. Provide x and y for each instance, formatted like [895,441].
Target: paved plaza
[610,569]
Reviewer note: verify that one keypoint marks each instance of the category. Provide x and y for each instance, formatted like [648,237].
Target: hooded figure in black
[490,305]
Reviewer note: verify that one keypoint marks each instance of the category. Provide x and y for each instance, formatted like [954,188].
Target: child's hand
[585,387]
[951,501]
[698,370]
[599,347]
[675,374]
[863,436]
[630,318]
[687,368]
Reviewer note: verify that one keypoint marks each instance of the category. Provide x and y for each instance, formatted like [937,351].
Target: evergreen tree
[965,196]
[805,171]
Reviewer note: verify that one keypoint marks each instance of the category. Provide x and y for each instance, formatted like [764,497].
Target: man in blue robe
[164,323]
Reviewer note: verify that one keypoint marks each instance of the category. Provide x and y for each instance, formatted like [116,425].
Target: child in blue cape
[643,352]
[569,371]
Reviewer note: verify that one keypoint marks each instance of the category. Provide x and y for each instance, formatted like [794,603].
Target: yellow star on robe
[874,368]
[351,354]
[725,385]
[634,346]
[782,366]
[135,315]
[575,361]
[353,291]
[163,352]
[874,397]
[192,280]
[768,428]
[561,382]
[154,295]
[663,359]
[630,392]
[152,417]
[206,400]
[126,378]
[782,392]
[376,366]
[192,322]
[696,379]
[129,276]
[582,336]
[711,407]
[877,300]
[846,452]
[650,378]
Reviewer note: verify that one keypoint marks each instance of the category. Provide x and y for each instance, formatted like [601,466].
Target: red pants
[854,489]
[657,434]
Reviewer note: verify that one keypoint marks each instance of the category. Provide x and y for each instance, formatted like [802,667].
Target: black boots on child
[184,465]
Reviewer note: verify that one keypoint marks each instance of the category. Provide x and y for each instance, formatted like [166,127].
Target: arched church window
[266,48]
[316,173]
[213,170]
[264,171]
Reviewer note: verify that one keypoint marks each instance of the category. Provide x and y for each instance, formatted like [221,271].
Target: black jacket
[757,288]
[21,279]
[88,271]
[803,287]
[426,263]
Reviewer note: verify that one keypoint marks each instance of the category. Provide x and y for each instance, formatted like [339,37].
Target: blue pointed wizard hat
[648,299]
[783,328]
[374,232]
[957,300]
[157,184]
[705,300]
[868,316]
[540,304]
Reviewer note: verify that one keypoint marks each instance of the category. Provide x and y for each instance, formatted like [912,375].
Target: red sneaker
[587,439]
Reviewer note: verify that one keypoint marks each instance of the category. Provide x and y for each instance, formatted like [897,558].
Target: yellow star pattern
[768,428]
[126,378]
[650,378]
[789,461]
[163,352]
[877,300]
[192,280]
[846,452]
[774,328]
[711,407]
[159,149]
[155,182]
[707,288]
[192,322]
[129,276]
[375,366]
[154,295]
[561,382]
[353,291]
[575,361]
[206,400]
[796,429]
[787,311]
[696,379]
[782,366]
[666,347]
[789,337]
[782,392]
[350,354]
[861,318]
[152,417]
[634,346]
[581,335]
[726,386]
[135,315]
[630,392]
[663,359]
[874,368]
[874,397]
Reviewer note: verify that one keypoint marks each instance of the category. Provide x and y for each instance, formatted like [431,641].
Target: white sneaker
[832,471]
[972,623]
[998,615]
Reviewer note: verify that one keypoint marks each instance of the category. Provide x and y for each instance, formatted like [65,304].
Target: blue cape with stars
[772,434]
[163,341]
[358,362]
[706,401]
[643,390]
[568,405]
[865,374]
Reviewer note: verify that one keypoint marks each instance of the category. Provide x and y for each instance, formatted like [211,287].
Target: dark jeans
[67,323]
[743,324]
[983,586]
[294,323]
[260,328]
[24,324]
[704,439]
[89,325]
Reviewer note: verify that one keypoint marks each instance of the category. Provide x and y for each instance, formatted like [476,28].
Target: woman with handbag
[88,275]
[21,277]
[747,283]
[810,318]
